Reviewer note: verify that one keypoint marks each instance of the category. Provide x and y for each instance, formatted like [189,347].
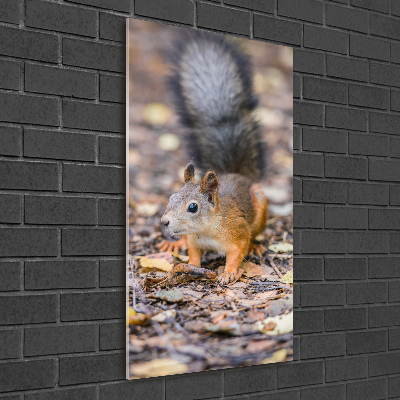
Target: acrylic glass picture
[210,201]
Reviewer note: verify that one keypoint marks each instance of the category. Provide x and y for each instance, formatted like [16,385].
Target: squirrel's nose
[165,221]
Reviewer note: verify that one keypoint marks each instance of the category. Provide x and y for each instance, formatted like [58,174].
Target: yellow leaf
[156,113]
[283,325]
[162,316]
[282,247]
[168,142]
[288,277]
[161,261]
[158,367]
[278,356]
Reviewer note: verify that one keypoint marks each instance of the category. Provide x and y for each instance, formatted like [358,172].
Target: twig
[160,331]
[274,267]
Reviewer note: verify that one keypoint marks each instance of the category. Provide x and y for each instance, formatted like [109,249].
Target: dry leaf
[256,315]
[224,326]
[282,247]
[257,346]
[168,142]
[161,261]
[288,277]
[250,269]
[158,367]
[172,296]
[161,317]
[156,113]
[180,257]
[278,356]
[135,318]
[282,324]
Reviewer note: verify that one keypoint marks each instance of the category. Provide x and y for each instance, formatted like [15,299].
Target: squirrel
[212,89]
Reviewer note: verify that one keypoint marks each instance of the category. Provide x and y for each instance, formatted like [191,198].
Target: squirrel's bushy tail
[212,87]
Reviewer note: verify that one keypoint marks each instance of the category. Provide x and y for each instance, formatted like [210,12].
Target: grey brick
[367,292]
[345,268]
[367,242]
[395,242]
[307,113]
[9,11]
[370,389]
[308,61]
[10,344]
[395,7]
[297,189]
[324,90]
[15,309]
[92,306]
[324,140]
[170,10]
[10,273]
[395,100]
[282,31]
[112,27]
[60,18]
[226,19]
[87,115]
[10,209]
[299,374]
[394,386]
[346,167]
[88,369]
[112,336]
[328,294]
[373,48]
[323,242]
[112,88]
[384,267]
[324,191]
[256,5]
[368,193]
[308,216]
[326,345]
[308,164]
[369,96]
[308,321]
[46,210]
[385,74]
[112,273]
[85,393]
[297,85]
[10,141]
[366,342]
[337,319]
[384,123]
[369,145]
[60,274]
[383,315]
[87,54]
[112,212]
[394,338]
[239,381]
[21,108]
[296,138]
[60,81]
[381,5]
[395,147]
[26,44]
[395,195]
[27,242]
[143,389]
[384,170]
[337,392]
[308,269]
[346,68]
[59,145]
[112,150]
[10,74]
[308,10]
[346,218]
[90,178]
[340,369]
[384,26]
[27,375]
[60,340]
[117,5]
[347,118]
[384,364]
[346,18]
[394,291]
[286,395]
[325,39]
[95,241]
[384,218]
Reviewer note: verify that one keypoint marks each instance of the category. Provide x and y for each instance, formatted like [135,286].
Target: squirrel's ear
[189,173]
[209,185]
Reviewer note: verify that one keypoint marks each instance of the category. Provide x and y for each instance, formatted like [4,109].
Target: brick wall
[62,185]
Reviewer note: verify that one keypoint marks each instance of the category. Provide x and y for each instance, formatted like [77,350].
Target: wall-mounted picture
[209,201]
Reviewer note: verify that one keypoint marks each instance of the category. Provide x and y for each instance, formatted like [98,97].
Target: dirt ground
[198,325]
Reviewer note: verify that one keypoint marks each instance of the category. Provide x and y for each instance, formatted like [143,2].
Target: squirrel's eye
[193,208]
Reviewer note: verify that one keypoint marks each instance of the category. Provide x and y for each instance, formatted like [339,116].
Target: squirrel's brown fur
[212,85]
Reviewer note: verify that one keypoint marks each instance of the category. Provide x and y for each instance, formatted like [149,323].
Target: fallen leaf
[168,142]
[135,318]
[158,367]
[161,317]
[257,346]
[288,277]
[172,296]
[266,295]
[256,315]
[250,269]
[278,356]
[162,261]
[283,325]
[282,247]
[180,257]
[230,327]
[156,113]
[230,295]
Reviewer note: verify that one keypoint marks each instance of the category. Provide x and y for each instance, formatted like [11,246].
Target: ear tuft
[189,173]
[209,185]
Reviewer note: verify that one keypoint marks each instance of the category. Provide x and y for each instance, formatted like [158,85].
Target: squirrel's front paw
[166,245]
[228,276]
